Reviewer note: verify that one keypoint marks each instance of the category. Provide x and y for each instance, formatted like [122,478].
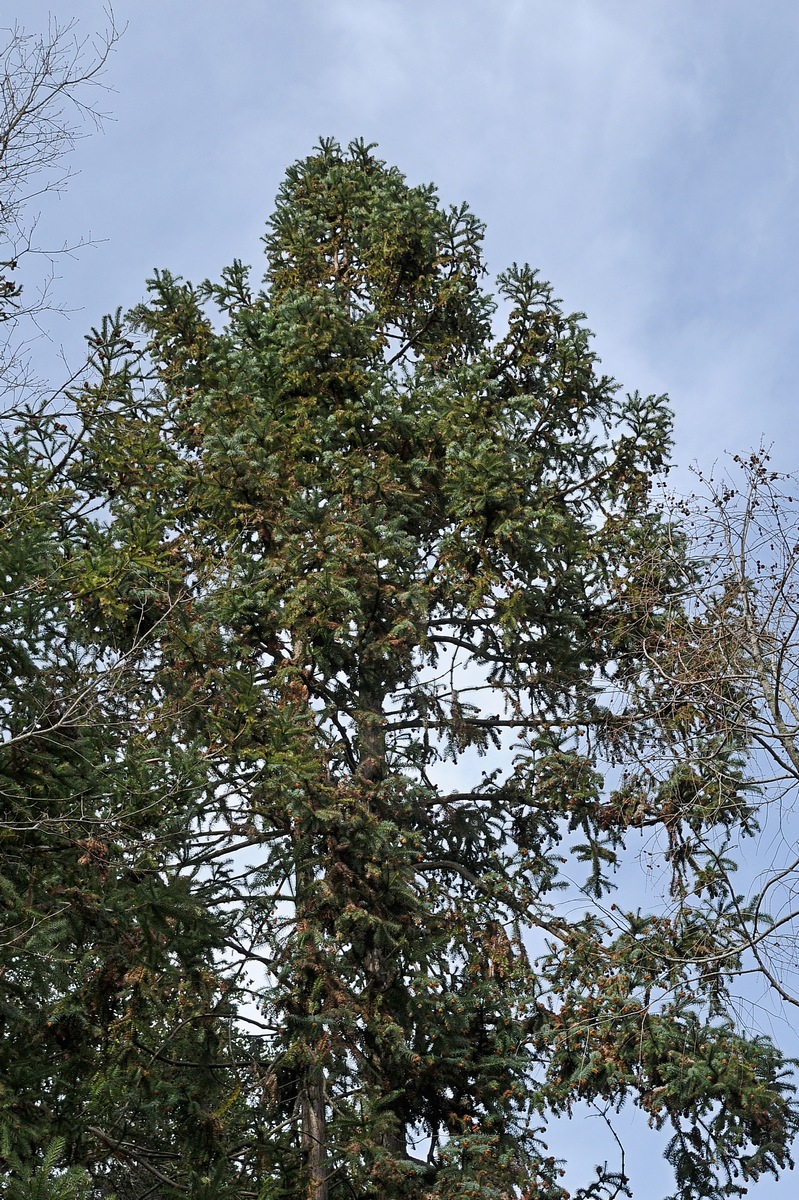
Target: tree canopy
[361,579]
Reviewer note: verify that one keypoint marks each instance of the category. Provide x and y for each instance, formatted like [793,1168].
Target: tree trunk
[314,1143]
[395,1142]
[371,734]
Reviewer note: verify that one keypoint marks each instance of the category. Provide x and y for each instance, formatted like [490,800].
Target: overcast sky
[642,155]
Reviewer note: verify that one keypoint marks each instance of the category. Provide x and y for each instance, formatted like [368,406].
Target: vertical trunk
[312,1090]
[313,1124]
[314,1142]
[395,1142]
[371,734]
[372,769]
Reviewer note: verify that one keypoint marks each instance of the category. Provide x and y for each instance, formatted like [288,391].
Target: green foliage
[365,609]
[47,1180]
[107,946]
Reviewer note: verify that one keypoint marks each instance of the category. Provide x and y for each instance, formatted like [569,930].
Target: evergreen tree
[106,957]
[380,573]
[106,954]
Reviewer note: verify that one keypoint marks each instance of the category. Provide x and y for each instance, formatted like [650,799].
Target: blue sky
[642,155]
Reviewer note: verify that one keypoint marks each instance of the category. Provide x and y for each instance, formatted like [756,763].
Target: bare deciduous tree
[48,86]
[728,658]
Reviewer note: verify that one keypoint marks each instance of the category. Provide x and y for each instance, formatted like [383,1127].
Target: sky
[643,156]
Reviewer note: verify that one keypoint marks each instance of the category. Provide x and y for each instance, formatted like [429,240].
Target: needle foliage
[372,552]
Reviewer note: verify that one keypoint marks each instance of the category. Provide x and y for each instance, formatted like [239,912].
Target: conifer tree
[104,955]
[106,951]
[380,570]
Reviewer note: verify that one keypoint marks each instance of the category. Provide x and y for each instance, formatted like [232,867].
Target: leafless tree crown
[48,92]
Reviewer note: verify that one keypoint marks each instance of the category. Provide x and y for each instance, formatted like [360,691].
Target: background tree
[40,79]
[47,82]
[729,654]
[363,537]
[92,978]
[106,954]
